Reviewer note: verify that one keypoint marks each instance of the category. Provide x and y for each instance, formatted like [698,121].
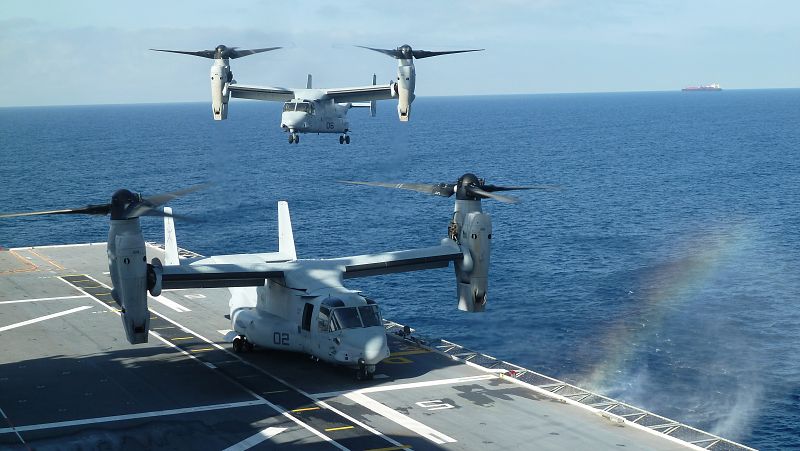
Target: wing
[260,93]
[219,275]
[361,94]
[401,261]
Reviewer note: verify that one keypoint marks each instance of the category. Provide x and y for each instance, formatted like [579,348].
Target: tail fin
[170,241]
[308,82]
[373,104]
[285,234]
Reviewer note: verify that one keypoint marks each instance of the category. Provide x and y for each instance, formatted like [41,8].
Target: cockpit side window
[289,106]
[304,107]
[323,319]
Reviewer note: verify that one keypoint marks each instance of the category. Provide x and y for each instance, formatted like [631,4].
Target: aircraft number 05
[280,338]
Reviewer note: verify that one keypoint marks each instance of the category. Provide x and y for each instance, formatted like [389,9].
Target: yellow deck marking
[339,428]
[397,360]
[182,338]
[273,392]
[415,351]
[304,409]
[50,261]
[31,266]
[392,448]
[202,349]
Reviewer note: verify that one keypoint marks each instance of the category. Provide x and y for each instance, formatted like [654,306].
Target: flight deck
[69,379]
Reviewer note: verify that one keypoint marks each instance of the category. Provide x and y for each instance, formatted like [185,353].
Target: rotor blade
[492,188]
[150,204]
[500,197]
[441,189]
[419,54]
[103,209]
[236,53]
[161,199]
[202,53]
[394,53]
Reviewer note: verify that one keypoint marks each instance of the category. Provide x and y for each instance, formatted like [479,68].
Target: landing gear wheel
[291,138]
[248,345]
[362,373]
[341,140]
[297,139]
[238,345]
[347,139]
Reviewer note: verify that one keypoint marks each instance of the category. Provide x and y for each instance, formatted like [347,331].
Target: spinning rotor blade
[235,53]
[441,189]
[419,54]
[468,187]
[220,52]
[201,53]
[406,52]
[477,192]
[87,210]
[124,205]
[148,206]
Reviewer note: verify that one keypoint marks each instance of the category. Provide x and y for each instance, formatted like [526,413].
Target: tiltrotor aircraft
[281,302]
[314,110]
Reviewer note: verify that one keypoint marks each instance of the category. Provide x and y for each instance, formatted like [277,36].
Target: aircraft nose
[294,119]
[375,349]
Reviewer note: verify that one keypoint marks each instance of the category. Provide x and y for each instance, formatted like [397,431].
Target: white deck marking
[170,303]
[3,414]
[133,416]
[44,318]
[381,388]
[407,422]
[44,299]
[255,439]
[274,407]
[58,245]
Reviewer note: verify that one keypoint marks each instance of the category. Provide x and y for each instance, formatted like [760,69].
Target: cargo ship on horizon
[711,87]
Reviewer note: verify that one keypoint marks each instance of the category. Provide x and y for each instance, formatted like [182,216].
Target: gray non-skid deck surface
[71,379]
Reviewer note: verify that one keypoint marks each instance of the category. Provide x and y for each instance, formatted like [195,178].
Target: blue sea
[665,271]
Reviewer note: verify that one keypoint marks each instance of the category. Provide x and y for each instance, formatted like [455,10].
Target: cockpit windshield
[304,107]
[353,317]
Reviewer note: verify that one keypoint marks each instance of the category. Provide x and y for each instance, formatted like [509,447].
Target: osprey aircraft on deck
[308,110]
[281,302]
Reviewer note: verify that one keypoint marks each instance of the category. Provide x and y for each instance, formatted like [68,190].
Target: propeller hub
[121,202]
[406,51]
[465,182]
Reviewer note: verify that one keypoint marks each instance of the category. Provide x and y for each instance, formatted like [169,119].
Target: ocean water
[665,272]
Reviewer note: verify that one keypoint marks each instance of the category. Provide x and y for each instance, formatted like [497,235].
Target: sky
[96,52]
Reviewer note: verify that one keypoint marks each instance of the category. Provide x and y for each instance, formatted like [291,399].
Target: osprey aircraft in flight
[278,301]
[310,110]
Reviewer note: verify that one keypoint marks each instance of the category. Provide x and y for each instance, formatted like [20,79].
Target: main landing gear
[294,138]
[241,344]
[344,139]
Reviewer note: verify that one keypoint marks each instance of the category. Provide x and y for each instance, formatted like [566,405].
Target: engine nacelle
[220,77]
[127,264]
[406,80]
[472,272]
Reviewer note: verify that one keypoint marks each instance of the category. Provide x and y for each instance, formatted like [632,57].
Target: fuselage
[313,112]
[323,319]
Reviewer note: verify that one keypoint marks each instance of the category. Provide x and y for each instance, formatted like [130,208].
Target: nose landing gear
[344,139]
[241,344]
[363,373]
[294,138]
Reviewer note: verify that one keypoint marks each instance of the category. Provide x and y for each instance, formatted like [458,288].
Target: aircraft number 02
[280,338]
